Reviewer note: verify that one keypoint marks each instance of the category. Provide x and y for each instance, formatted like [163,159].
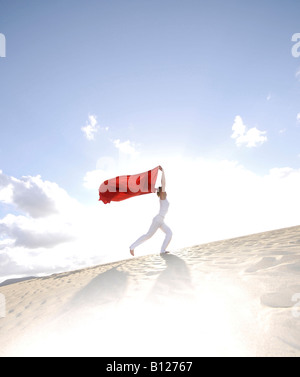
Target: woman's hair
[159,191]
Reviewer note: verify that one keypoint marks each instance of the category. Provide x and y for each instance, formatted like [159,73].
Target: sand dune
[238,297]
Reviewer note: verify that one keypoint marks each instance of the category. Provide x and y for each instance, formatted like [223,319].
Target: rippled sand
[238,297]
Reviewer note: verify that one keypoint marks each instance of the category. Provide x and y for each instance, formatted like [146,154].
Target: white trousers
[157,223]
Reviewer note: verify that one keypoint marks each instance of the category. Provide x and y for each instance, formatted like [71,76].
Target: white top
[164,206]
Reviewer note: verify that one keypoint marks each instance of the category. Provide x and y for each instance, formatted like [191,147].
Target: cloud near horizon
[29,194]
[44,230]
[43,213]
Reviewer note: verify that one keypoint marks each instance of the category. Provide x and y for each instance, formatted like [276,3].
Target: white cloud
[91,128]
[31,195]
[46,231]
[249,137]
[298,117]
[32,233]
[45,211]
[239,129]
[126,147]
[226,200]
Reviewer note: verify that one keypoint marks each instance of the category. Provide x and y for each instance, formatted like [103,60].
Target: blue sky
[158,81]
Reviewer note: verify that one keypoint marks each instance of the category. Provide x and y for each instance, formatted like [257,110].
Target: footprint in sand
[263,264]
[291,268]
[282,298]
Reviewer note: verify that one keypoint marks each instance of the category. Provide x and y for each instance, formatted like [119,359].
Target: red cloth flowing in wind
[128,186]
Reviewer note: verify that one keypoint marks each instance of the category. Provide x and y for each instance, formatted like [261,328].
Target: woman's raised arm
[163,179]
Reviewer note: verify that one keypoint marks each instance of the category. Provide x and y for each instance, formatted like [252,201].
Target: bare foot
[132,252]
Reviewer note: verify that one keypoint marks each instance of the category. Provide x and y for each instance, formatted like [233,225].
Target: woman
[158,221]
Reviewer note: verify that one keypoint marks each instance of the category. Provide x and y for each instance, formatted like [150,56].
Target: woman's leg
[168,237]
[153,228]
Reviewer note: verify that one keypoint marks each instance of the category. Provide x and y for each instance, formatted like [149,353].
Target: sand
[238,297]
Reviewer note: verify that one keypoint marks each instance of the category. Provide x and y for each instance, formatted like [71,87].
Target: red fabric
[128,186]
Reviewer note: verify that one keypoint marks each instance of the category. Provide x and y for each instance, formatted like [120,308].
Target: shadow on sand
[88,316]
[107,288]
[173,283]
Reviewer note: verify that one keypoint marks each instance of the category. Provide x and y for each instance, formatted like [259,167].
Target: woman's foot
[132,252]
